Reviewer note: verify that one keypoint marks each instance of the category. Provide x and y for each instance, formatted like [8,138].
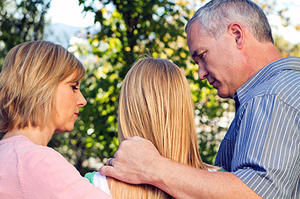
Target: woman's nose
[82,100]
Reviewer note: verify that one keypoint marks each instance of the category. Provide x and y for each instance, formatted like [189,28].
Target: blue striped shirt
[262,144]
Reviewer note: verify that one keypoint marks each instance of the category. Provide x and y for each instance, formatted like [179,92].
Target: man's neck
[260,55]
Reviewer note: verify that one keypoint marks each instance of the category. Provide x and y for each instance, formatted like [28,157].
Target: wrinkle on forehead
[199,35]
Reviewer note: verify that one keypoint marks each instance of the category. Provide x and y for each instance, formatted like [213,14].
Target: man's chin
[223,94]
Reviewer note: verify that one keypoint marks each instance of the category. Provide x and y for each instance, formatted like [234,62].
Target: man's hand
[133,162]
[138,162]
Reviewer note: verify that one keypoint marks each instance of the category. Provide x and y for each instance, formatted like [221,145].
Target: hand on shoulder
[134,161]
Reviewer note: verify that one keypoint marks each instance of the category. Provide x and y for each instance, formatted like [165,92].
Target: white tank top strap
[101,182]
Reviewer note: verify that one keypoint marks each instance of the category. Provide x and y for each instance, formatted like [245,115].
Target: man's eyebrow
[198,52]
[194,54]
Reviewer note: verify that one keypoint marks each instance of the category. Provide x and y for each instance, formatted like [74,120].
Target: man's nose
[202,72]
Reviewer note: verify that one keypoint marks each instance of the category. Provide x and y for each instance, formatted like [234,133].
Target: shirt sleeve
[44,173]
[266,156]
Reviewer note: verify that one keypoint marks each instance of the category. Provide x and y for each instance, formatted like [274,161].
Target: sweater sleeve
[44,173]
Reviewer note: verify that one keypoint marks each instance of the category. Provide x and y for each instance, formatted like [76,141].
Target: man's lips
[213,83]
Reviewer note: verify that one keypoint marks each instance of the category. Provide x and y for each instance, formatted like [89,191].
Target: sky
[70,13]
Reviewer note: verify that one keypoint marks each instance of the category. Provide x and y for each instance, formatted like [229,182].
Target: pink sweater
[30,171]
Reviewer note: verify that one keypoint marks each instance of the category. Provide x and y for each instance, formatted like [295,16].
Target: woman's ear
[237,32]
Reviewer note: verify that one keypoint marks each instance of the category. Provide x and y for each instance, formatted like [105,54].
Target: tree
[279,10]
[21,21]
[127,30]
[285,48]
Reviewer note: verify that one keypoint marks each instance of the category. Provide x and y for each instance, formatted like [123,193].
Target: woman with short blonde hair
[39,95]
[30,75]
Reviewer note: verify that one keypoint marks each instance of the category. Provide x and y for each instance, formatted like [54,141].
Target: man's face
[219,60]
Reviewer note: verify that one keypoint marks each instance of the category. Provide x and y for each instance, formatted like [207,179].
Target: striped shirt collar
[264,74]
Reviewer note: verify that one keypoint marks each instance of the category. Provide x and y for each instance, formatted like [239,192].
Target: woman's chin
[66,130]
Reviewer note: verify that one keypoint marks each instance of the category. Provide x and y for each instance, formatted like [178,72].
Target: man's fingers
[128,163]
[113,173]
[110,162]
[107,171]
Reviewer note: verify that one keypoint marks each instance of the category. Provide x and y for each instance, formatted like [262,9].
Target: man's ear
[237,32]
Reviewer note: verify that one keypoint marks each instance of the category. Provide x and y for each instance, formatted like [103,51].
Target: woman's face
[68,101]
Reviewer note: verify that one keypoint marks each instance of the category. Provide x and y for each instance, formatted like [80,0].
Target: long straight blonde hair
[156,104]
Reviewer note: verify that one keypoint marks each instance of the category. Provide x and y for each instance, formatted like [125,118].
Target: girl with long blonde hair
[156,104]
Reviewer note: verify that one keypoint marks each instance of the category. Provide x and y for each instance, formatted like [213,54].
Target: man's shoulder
[286,80]
[284,86]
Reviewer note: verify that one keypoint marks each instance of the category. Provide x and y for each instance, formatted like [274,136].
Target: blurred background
[108,36]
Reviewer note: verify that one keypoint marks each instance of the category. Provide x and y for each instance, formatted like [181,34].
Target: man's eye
[201,56]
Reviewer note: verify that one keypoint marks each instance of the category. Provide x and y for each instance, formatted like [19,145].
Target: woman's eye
[75,87]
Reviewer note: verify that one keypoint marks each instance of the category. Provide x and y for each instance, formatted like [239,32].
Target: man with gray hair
[231,41]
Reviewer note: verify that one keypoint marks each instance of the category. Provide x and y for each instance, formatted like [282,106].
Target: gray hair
[216,15]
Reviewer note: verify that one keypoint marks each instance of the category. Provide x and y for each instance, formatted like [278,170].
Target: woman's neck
[37,135]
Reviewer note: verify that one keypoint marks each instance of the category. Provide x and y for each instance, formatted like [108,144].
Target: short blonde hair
[156,103]
[30,75]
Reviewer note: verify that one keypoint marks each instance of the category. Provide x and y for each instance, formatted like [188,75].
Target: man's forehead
[196,27]
[198,35]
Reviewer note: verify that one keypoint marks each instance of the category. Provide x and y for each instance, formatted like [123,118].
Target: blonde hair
[156,104]
[30,75]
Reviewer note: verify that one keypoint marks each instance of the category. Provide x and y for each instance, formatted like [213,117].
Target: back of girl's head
[156,104]
[30,75]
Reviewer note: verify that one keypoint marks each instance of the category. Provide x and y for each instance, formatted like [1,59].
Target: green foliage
[285,48]
[280,10]
[21,21]
[129,30]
